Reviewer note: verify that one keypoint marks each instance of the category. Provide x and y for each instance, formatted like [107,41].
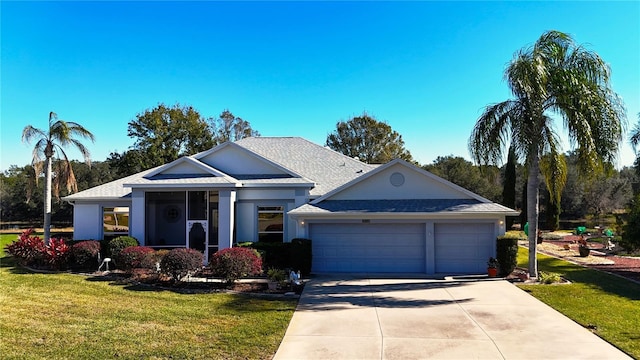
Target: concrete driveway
[350,317]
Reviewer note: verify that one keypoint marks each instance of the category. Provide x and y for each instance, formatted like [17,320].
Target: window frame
[270,209]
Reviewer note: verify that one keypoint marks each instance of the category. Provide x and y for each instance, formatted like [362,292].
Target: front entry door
[197,235]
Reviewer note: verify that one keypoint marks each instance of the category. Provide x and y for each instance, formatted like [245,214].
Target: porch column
[226,221]
[137,216]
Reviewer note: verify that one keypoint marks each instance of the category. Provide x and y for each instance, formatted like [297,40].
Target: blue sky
[290,68]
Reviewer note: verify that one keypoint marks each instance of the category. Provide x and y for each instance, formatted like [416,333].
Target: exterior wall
[415,185]
[137,216]
[247,210]
[87,221]
[226,206]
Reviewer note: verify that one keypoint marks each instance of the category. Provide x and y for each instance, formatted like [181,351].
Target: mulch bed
[150,279]
[625,266]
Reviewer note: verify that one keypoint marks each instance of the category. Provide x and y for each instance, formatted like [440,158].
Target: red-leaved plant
[57,253]
[180,262]
[31,250]
[131,257]
[28,250]
[233,263]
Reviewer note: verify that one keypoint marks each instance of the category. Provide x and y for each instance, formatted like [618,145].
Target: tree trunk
[533,183]
[47,200]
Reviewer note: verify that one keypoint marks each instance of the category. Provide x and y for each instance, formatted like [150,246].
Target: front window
[115,222]
[271,223]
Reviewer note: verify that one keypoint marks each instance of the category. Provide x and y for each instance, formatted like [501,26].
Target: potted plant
[583,249]
[492,267]
[276,277]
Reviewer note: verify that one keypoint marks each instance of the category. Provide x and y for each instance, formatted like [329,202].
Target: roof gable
[240,162]
[327,168]
[186,166]
[399,180]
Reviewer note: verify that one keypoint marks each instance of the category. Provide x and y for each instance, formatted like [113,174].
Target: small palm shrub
[132,257]
[549,277]
[84,254]
[234,263]
[118,244]
[178,263]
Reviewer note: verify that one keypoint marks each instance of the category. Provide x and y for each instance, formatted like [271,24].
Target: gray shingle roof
[327,168]
[110,190]
[402,206]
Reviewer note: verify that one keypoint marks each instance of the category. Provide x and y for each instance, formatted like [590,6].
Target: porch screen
[166,219]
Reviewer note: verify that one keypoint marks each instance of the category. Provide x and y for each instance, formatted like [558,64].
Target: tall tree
[164,133]
[228,127]
[368,139]
[459,171]
[49,143]
[554,76]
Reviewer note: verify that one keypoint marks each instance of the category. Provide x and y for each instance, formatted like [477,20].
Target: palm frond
[29,133]
[491,133]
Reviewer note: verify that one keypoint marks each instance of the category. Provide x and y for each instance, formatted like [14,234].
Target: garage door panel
[368,247]
[463,248]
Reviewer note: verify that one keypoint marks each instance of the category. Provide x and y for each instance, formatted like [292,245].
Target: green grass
[594,298]
[57,316]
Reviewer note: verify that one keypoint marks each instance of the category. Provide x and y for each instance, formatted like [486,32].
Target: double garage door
[401,247]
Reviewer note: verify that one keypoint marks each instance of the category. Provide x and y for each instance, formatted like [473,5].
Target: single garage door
[463,248]
[366,247]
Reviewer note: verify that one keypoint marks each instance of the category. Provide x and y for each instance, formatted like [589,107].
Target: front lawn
[53,316]
[605,303]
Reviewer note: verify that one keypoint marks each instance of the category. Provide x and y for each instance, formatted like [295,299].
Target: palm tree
[634,138]
[553,78]
[59,135]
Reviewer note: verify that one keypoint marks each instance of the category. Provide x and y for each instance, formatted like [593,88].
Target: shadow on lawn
[10,264]
[591,277]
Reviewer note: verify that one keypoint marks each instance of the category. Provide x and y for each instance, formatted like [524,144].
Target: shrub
[152,260]
[507,253]
[295,255]
[57,254]
[178,263]
[84,254]
[28,250]
[31,250]
[118,244]
[549,277]
[233,263]
[131,257]
[300,255]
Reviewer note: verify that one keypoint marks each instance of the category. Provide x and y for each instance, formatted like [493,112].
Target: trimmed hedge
[295,255]
[117,245]
[132,257]
[507,253]
[180,262]
[234,263]
[84,254]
